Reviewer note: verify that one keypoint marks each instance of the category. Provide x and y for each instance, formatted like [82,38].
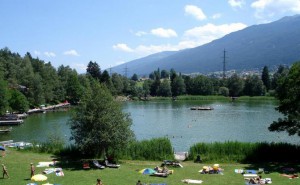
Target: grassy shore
[17,163]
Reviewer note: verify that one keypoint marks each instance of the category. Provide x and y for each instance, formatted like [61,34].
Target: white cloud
[122,47]
[166,33]
[71,52]
[49,54]
[195,11]
[140,33]
[265,9]
[210,32]
[236,3]
[216,16]
[192,38]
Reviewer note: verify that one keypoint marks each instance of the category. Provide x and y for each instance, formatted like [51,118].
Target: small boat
[6,130]
[202,108]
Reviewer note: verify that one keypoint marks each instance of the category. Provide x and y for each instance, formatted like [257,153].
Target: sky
[111,32]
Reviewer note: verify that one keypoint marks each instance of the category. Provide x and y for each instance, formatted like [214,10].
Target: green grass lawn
[18,165]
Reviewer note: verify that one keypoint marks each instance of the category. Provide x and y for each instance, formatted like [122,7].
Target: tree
[164,74]
[74,90]
[98,125]
[201,85]
[224,91]
[265,77]
[105,77]
[117,83]
[165,88]
[288,92]
[146,87]
[94,70]
[254,86]
[177,86]
[235,85]
[3,96]
[18,102]
[134,77]
[281,71]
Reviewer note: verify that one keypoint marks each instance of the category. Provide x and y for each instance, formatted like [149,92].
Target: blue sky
[73,32]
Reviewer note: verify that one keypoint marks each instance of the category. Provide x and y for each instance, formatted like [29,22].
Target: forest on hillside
[27,82]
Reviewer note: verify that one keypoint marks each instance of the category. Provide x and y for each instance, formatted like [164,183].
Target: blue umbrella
[2,148]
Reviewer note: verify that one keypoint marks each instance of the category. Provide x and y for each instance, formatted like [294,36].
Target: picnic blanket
[46,164]
[191,181]
[239,171]
[56,170]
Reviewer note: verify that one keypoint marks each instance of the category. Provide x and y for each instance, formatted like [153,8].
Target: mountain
[251,48]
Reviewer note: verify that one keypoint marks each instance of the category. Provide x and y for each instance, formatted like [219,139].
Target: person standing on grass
[4,171]
[32,169]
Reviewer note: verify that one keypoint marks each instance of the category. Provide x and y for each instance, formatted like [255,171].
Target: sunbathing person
[158,169]
[292,176]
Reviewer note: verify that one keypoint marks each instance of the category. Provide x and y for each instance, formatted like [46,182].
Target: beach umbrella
[147,171]
[39,177]
[2,148]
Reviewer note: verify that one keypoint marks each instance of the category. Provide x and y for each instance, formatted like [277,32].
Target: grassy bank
[17,163]
[246,152]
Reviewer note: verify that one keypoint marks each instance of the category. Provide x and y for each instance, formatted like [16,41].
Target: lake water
[229,121]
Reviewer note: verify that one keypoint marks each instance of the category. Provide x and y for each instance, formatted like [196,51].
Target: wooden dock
[11,122]
[48,108]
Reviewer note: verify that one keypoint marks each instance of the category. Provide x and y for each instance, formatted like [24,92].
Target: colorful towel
[239,171]
[60,173]
[251,171]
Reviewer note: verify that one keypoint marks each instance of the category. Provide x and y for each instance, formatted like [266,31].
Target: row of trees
[164,83]
[29,82]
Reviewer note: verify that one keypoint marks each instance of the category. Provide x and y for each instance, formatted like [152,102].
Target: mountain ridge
[256,46]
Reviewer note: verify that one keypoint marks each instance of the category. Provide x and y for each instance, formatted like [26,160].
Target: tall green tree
[165,88]
[135,77]
[117,83]
[18,102]
[288,94]
[4,96]
[73,89]
[254,86]
[99,125]
[177,86]
[94,70]
[235,85]
[265,77]
[201,85]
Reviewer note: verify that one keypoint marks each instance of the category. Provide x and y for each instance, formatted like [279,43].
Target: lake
[229,121]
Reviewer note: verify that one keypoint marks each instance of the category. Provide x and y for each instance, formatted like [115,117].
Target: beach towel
[239,171]
[48,171]
[60,173]
[250,175]
[191,181]
[251,171]
[45,164]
